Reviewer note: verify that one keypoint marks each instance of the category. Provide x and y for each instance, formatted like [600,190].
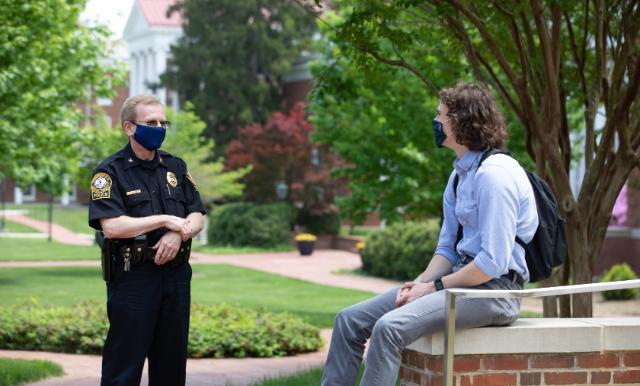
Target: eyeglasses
[154,123]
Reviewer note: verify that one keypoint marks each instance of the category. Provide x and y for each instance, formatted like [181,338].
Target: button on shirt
[494,203]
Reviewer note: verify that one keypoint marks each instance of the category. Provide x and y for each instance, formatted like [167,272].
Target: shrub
[617,273]
[247,224]
[320,224]
[216,331]
[401,251]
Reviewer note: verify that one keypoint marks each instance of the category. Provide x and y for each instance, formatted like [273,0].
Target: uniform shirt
[124,184]
[494,203]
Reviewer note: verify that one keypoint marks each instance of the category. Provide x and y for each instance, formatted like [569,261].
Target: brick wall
[608,368]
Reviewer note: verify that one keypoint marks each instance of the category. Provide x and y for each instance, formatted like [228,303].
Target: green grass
[530,314]
[15,227]
[230,250]
[74,218]
[312,377]
[41,249]
[306,378]
[212,284]
[20,371]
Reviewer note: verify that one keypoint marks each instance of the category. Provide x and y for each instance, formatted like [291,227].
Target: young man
[493,203]
[149,208]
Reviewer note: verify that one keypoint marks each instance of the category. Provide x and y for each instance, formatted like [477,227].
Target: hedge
[401,251]
[247,224]
[620,272]
[216,331]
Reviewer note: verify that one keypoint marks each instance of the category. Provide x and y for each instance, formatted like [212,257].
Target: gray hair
[128,112]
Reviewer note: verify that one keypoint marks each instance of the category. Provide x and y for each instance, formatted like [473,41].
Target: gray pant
[391,329]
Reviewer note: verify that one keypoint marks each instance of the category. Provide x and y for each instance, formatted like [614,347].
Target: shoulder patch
[190,178]
[101,186]
[172,180]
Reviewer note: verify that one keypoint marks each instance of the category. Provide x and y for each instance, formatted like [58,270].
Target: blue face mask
[438,132]
[150,137]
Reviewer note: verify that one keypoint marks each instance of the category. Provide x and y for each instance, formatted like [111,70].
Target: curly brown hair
[476,120]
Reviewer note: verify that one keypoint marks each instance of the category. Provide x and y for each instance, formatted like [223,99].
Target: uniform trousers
[148,309]
[391,329]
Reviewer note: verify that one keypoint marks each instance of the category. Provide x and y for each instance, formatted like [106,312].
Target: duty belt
[137,251]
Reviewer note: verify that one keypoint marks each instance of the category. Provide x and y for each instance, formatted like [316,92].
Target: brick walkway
[58,233]
[84,370]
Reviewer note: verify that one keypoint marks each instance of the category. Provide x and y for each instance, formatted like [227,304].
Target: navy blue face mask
[150,137]
[438,132]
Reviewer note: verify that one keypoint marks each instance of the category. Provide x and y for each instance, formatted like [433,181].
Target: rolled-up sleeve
[497,216]
[449,231]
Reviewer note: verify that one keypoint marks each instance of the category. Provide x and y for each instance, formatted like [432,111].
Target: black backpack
[547,249]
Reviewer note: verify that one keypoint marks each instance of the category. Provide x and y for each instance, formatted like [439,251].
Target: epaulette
[113,157]
[164,154]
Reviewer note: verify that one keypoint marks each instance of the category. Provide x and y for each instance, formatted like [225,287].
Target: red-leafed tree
[281,154]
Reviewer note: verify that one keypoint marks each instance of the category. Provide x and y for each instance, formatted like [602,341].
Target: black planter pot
[306,247]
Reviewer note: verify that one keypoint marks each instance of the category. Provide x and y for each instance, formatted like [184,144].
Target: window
[29,194]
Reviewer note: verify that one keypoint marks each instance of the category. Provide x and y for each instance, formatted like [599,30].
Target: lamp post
[281,190]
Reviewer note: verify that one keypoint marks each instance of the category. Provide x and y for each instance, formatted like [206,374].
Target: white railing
[453,293]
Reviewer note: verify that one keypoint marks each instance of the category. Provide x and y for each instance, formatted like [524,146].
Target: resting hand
[167,247]
[181,225]
[403,292]
[417,290]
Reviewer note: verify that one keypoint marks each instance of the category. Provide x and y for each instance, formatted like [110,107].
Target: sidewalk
[58,233]
[84,370]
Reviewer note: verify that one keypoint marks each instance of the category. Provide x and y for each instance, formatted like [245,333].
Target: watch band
[438,284]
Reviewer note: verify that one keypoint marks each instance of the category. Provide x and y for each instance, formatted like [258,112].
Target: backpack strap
[488,153]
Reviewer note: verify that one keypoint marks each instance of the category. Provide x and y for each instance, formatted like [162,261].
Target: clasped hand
[167,247]
[180,225]
[411,291]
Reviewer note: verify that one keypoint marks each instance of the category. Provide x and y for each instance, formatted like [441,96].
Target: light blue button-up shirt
[494,203]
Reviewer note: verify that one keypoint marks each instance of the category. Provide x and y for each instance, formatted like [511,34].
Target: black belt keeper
[514,277]
[511,275]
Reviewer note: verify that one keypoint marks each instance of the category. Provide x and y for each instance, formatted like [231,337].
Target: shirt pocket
[467,213]
[138,205]
[176,202]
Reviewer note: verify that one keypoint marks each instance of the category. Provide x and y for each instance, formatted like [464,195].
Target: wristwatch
[438,284]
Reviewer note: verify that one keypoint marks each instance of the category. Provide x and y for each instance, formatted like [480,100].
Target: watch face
[438,284]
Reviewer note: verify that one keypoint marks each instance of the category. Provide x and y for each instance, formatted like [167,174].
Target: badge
[100,186]
[192,181]
[172,180]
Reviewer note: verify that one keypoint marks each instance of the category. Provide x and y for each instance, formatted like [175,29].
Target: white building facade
[149,34]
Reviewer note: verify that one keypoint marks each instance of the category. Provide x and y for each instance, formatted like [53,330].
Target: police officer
[148,206]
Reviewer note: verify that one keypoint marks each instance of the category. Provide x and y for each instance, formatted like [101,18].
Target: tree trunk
[50,220]
[581,268]
[4,204]
[565,300]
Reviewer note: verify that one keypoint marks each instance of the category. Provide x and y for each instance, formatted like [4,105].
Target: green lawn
[72,217]
[307,378]
[228,250]
[211,284]
[42,249]
[14,227]
[20,371]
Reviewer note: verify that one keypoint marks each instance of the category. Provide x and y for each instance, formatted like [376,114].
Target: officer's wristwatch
[438,284]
